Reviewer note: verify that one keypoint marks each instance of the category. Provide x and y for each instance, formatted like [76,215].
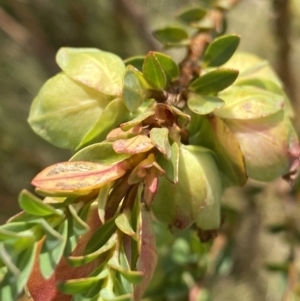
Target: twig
[189,67]
[282,31]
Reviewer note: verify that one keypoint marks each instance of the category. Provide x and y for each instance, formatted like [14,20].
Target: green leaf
[135,145]
[102,200]
[171,35]
[135,61]
[102,153]
[170,166]
[112,116]
[63,105]
[76,261]
[11,286]
[204,104]
[80,227]
[249,103]
[132,276]
[77,286]
[53,250]
[101,236]
[35,206]
[215,135]
[132,93]
[6,235]
[78,177]
[214,81]
[92,67]
[220,50]
[160,138]
[153,72]
[124,224]
[168,65]
[72,236]
[191,15]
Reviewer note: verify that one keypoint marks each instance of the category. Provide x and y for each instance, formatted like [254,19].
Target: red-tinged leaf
[77,177]
[140,171]
[151,185]
[46,290]
[118,133]
[135,145]
[148,254]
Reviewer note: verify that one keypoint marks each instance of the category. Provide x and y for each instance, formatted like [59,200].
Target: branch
[282,32]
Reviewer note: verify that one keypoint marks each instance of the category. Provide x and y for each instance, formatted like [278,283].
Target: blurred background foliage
[261,226]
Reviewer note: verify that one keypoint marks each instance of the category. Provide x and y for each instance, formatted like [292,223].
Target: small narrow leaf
[153,72]
[11,286]
[171,35]
[76,261]
[191,15]
[204,104]
[6,235]
[79,226]
[220,50]
[132,276]
[102,200]
[135,145]
[132,93]
[160,138]
[123,223]
[52,251]
[170,166]
[214,81]
[77,177]
[77,286]
[101,236]
[35,206]
[168,65]
[135,61]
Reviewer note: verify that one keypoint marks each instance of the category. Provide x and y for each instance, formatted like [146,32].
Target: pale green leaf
[63,105]
[35,206]
[248,102]
[92,67]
